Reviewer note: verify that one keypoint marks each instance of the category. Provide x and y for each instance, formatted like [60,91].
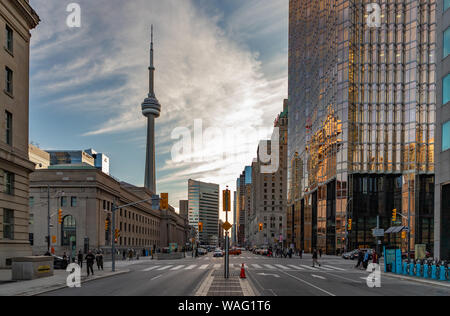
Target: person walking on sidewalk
[320,253]
[315,258]
[360,259]
[80,259]
[300,253]
[375,257]
[90,263]
[99,259]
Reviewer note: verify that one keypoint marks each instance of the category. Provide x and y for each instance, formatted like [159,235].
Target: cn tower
[151,109]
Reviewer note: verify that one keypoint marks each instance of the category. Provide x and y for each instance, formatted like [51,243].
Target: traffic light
[261,226]
[107,224]
[117,234]
[164,201]
[60,220]
[404,236]
[226,200]
[394,215]
[350,222]
[200,227]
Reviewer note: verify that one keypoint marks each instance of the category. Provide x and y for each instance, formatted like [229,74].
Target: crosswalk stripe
[325,268]
[295,267]
[310,268]
[335,268]
[257,266]
[164,268]
[231,266]
[150,269]
[177,268]
[217,266]
[281,267]
[191,267]
[203,267]
[270,266]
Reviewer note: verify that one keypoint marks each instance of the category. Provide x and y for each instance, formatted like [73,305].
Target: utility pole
[48,218]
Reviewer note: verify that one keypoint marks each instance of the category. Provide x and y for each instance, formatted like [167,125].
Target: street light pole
[346,224]
[48,218]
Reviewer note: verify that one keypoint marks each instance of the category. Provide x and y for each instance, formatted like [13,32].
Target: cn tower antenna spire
[152,110]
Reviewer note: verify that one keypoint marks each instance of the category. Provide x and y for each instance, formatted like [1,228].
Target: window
[446,90]
[73,201]
[446,5]
[446,42]
[9,183]
[63,201]
[8,224]
[9,80]
[446,136]
[31,201]
[9,39]
[8,128]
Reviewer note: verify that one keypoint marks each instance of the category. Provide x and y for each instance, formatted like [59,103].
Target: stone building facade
[17,18]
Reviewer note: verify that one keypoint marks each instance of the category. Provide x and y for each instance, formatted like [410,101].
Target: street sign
[226,200]
[227,226]
[378,232]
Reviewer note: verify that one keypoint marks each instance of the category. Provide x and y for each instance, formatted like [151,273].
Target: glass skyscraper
[362,121]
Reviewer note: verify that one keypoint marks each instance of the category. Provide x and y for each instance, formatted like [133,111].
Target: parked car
[202,251]
[59,263]
[218,253]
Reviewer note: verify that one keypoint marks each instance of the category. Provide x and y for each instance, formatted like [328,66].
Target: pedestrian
[80,258]
[301,253]
[320,253]
[375,257]
[290,253]
[65,260]
[315,258]
[124,255]
[366,260]
[90,262]
[99,259]
[360,259]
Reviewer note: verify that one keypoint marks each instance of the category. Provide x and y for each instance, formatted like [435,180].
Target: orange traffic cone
[243,272]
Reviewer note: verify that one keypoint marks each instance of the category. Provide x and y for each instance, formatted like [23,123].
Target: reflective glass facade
[447,42]
[446,136]
[446,90]
[362,119]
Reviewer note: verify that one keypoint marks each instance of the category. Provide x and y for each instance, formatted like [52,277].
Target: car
[218,253]
[59,263]
[350,255]
[202,251]
[235,252]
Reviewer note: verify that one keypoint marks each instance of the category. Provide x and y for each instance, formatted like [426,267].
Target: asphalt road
[268,277]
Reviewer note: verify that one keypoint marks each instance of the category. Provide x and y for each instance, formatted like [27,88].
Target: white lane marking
[164,268]
[268,274]
[270,267]
[191,267]
[217,266]
[310,268]
[156,277]
[318,277]
[203,267]
[310,284]
[295,267]
[282,267]
[336,268]
[257,266]
[177,268]
[150,269]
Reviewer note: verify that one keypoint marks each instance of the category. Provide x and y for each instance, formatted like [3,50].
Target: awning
[396,229]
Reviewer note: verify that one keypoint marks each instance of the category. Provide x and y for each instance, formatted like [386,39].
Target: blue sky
[223,62]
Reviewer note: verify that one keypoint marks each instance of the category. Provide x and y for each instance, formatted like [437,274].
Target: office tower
[204,209]
[17,19]
[442,189]
[361,121]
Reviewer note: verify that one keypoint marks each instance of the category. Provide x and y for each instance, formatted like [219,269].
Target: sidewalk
[39,286]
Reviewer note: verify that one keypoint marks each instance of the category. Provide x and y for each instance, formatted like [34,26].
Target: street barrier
[405,268]
[426,271]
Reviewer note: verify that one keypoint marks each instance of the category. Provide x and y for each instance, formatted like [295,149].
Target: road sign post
[226,209]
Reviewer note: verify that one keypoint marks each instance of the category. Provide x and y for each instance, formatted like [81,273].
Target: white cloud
[202,71]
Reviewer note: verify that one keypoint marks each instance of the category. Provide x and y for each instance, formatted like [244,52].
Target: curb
[417,280]
[60,286]
[205,285]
